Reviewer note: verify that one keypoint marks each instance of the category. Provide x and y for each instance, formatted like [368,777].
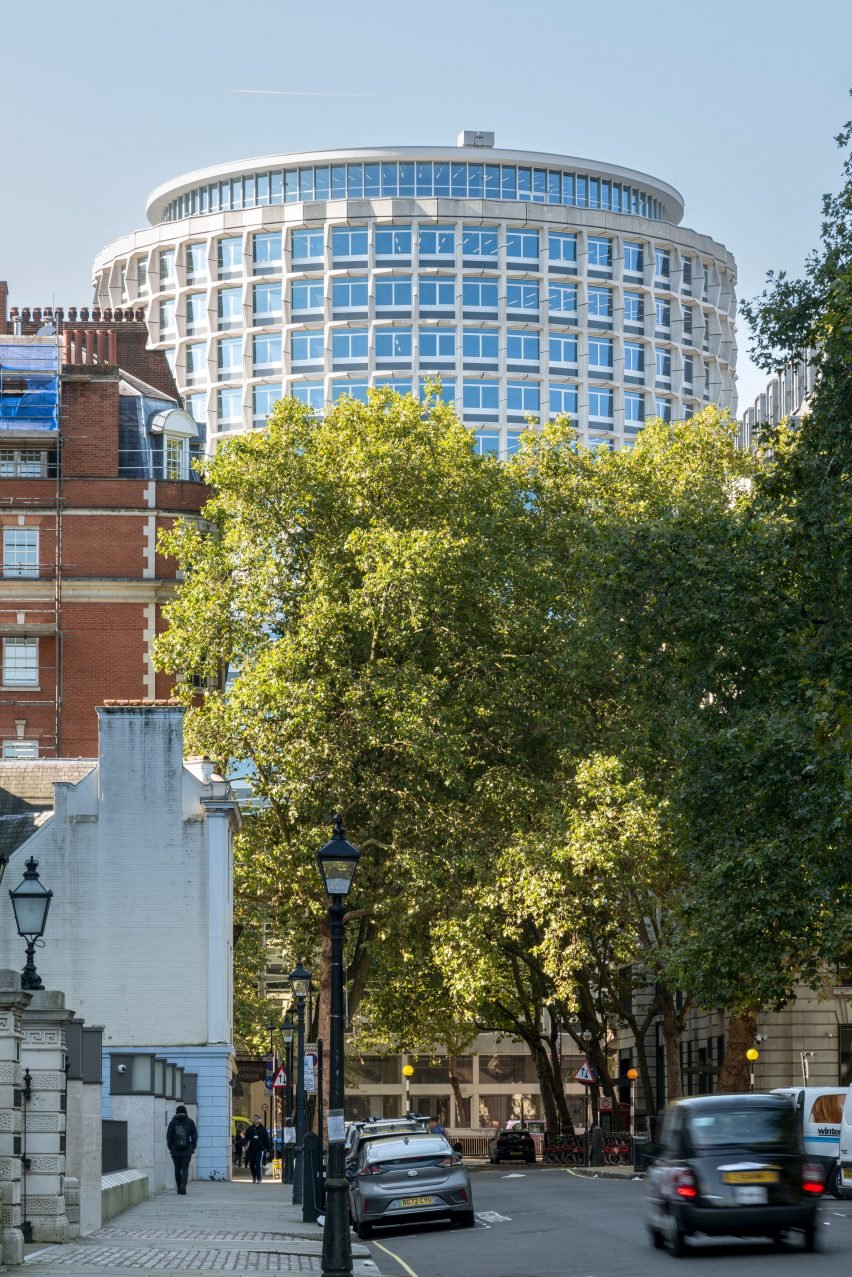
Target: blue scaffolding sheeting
[29,386]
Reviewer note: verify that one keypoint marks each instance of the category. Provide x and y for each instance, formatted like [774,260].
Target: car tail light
[462,1194]
[372,1168]
[685,1185]
[812,1178]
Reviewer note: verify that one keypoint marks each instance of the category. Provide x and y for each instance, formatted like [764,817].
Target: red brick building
[95,459]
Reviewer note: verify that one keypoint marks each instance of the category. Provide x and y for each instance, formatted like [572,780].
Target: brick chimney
[4,301]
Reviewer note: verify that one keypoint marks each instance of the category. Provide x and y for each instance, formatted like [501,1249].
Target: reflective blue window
[479,241]
[355,181]
[308,348]
[663,313]
[267,301]
[539,185]
[480,343]
[308,295]
[508,182]
[513,442]
[563,299]
[393,343]
[663,408]
[196,406]
[522,245]
[634,406]
[276,188]
[349,241]
[686,267]
[437,343]
[524,183]
[554,187]
[349,343]
[522,346]
[267,351]
[393,241]
[634,308]
[522,296]
[439,388]
[400,385]
[196,361]
[664,362]
[389,180]
[230,257]
[562,247]
[633,257]
[486,443]
[306,246]
[196,312]
[230,306]
[600,252]
[264,399]
[230,358]
[687,321]
[311,393]
[568,188]
[441,178]
[338,181]
[439,293]
[196,262]
[458,179]
[522,396]
[582,192]
[406,179]
[424,178]
[479,292]
[322,182]
[601,403]
[600,303]
[563,401]
[662,263]
[594,192]
[563,349]
[475,181]
[229,408]
[482,395]
[634,357]
[349,390]
[267,250]
[687,370]
[437,241]
[167,268]
[372,181]
[349,294]
[393,291]
[600,352]
[492,181]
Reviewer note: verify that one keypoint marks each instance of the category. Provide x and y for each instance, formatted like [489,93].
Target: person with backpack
[181,1138]
[257,1144]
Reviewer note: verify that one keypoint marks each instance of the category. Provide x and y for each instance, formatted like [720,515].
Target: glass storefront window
[506,1068]
[496,1110]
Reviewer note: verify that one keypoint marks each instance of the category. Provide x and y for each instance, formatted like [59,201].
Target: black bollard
[596,1151]
[311,1170]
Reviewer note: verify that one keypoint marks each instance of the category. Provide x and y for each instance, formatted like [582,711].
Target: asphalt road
[547,1222]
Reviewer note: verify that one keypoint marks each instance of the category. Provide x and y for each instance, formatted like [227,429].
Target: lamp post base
[336,1238]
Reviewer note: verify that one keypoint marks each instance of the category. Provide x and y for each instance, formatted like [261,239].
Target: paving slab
[217,1228]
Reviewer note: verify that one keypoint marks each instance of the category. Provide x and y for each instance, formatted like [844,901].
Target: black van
[731,1165]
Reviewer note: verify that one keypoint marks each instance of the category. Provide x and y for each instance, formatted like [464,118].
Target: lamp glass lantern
[31,902]
[337,861]
[300,981]
[287,1029]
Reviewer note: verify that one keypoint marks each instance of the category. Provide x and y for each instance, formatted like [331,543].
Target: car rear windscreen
[743,1128]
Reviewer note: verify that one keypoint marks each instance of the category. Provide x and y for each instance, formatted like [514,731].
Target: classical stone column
[43,1053]
[12,1004]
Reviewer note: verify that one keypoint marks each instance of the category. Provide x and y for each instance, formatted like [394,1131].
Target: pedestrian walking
[181,1138]
[238,1148]
[258,1144]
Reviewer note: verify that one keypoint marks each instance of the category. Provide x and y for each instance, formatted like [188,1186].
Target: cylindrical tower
[532,285]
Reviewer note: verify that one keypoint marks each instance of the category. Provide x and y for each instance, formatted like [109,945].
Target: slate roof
[26,794]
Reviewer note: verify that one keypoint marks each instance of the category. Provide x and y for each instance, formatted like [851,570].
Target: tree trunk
[455,1083]
[672,1030]
[734,1075]
[566,1122]
[545,1083]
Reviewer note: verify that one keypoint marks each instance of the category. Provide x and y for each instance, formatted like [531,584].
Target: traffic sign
[280,1080]
[311,1064]
[586,1073]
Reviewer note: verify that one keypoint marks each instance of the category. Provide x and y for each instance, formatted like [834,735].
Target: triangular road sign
[586,1073]
[280,1079]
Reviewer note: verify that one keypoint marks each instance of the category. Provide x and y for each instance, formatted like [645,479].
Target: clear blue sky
[736,103]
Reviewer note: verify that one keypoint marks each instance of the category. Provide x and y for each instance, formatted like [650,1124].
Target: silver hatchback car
[416,1177]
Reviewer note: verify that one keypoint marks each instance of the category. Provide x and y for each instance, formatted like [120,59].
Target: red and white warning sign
[280,1079]
[586,1073]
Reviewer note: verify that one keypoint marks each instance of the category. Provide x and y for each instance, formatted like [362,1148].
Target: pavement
[230,1228]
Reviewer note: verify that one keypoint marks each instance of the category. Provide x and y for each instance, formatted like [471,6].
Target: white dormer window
[177,429]
[176,458]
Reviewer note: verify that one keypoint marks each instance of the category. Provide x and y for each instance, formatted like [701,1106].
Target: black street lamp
[337,861]
[270,1028]
[31,902]
[287,1035]
[300,983]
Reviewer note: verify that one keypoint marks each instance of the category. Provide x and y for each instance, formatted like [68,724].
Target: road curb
[603,1172]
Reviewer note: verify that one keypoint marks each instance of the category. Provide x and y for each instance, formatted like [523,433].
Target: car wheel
[811,1243]
[676,1237]
[656,1238]
[364,1230]
[465,1219]
[834,1183]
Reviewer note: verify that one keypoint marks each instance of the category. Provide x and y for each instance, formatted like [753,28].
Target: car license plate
[749,1177]
[416,1201]
[751,1195]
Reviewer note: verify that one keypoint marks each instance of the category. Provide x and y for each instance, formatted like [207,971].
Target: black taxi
[731,1165]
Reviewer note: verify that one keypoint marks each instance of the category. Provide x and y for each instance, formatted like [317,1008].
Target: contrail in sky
[299,93]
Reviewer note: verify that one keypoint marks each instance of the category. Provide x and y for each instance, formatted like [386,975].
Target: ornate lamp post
[31,902]
[337,861]
[300,983]
[287,1035]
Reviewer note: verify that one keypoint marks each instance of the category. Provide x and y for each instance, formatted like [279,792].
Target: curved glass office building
[531,285]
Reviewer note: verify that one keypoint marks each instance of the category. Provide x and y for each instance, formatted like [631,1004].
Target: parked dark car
[731,1165]
[511,1145]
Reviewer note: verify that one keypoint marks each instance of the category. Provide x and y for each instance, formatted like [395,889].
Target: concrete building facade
[95,460]
[532,285]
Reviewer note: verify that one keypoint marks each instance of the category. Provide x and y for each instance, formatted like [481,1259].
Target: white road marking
[514,1175]
[493,1217]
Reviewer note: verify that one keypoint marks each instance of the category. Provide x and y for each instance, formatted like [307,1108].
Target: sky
[735,103]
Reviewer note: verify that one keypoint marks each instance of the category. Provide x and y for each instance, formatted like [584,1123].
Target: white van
[819,1110]
[846,1145]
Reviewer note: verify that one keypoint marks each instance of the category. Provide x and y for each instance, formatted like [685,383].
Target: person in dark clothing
[181,1138]
[238,1148]
[258,1144]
